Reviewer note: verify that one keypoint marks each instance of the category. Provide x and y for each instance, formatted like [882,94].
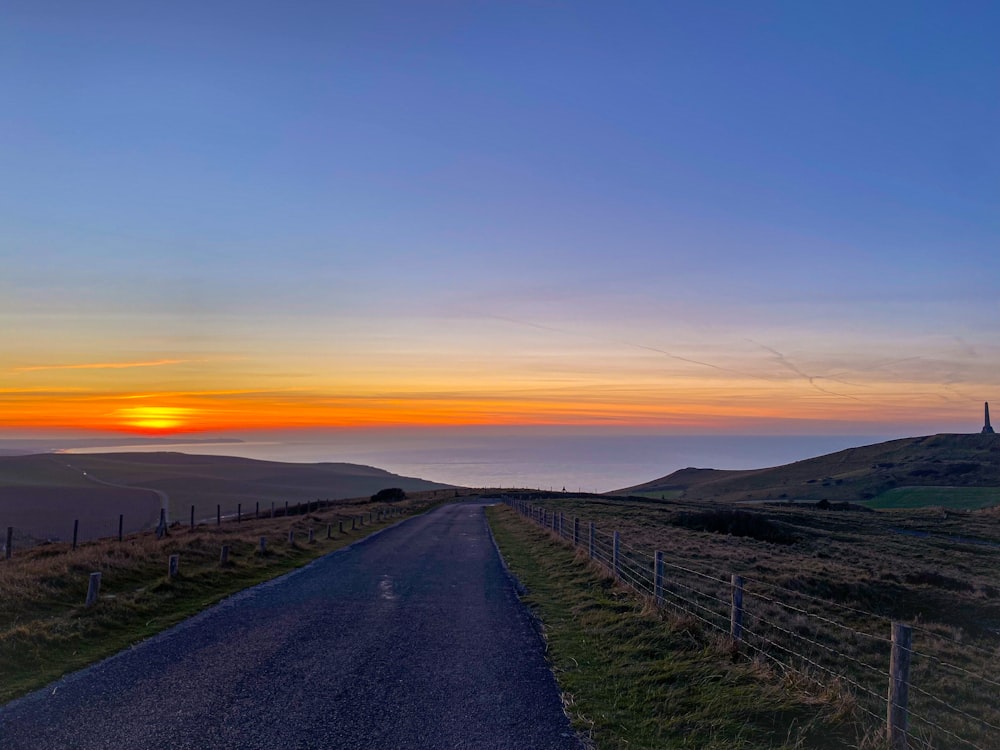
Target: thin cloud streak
[632,344]
[105,365]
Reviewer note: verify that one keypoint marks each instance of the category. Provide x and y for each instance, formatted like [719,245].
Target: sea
[578,463]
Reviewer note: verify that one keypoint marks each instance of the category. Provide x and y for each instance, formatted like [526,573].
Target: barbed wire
[988,652]
[821,599]
[790,667]
[816,665]
[940,728]
[642,580]
[942,663]
[708,622]
[832,650]
[807,613]
[946,704]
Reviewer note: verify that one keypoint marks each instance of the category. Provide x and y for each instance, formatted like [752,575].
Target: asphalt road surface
[413,638]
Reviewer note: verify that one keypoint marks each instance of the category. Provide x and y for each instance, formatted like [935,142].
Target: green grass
[635,678]
[957,498]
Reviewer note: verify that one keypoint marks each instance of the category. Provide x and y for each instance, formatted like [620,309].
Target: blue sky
[303,188]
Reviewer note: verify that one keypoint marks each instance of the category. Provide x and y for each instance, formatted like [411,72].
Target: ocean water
[590,463]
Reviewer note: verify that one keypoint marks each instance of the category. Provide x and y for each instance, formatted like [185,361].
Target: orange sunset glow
[641,394]
[156,419]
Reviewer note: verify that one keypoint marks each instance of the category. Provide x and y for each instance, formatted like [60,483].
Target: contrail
[632,344]
[811,379]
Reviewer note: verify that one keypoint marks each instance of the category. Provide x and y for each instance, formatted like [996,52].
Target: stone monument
[987,429]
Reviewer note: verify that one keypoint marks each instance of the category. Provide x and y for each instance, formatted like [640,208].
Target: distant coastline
[578,462]
[20,447]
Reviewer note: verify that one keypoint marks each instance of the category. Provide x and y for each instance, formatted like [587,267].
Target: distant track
[413,638]
[164,497]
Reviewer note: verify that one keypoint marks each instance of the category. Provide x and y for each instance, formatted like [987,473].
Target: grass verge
[634,677]
[45,631]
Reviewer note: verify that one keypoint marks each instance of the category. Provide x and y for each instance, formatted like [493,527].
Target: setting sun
[153,418]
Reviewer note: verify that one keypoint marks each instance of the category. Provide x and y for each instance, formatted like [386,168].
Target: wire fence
[935,693]
[116,527]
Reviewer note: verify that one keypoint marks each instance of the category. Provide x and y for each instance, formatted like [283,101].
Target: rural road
[412,638]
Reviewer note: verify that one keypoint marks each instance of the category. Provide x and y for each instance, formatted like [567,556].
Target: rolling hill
[956,464]
[41,495]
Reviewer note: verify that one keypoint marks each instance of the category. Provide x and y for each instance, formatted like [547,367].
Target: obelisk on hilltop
[987,429]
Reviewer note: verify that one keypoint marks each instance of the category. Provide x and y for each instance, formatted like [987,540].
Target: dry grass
[45,631]
[821,605]
[637,676]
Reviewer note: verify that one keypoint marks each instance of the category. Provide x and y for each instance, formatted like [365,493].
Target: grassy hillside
[41,495]
[855,474]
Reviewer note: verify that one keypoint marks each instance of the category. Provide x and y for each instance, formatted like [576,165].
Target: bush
[737,523]
[390,495]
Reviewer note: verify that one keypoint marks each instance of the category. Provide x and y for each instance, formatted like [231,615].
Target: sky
[671,217]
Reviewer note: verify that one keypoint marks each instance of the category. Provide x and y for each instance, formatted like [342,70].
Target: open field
[45,631]
[41,495]
[957,498]
[853,475]
[634,677]
[658,494]
[823,586]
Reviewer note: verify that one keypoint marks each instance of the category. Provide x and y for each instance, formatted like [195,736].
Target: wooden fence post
[239,512]
[76,531]
[224,555]
[352,523]
[616,555]
[286,507]
[592,546]
[562,525]
[192,518]
[256,511]
[121,526]
[93,589]
[263,546]
[173,566]
[161,527]
[341,527]
[899,685]
[329,531]
[311,537]
[658,578]
[291,536]
[9,549]
[736,611]
[576,531]
[218,515]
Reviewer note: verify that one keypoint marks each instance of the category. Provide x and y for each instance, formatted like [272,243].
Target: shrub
[737,523]
[389,495]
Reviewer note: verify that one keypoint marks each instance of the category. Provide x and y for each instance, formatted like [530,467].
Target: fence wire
[804,633]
